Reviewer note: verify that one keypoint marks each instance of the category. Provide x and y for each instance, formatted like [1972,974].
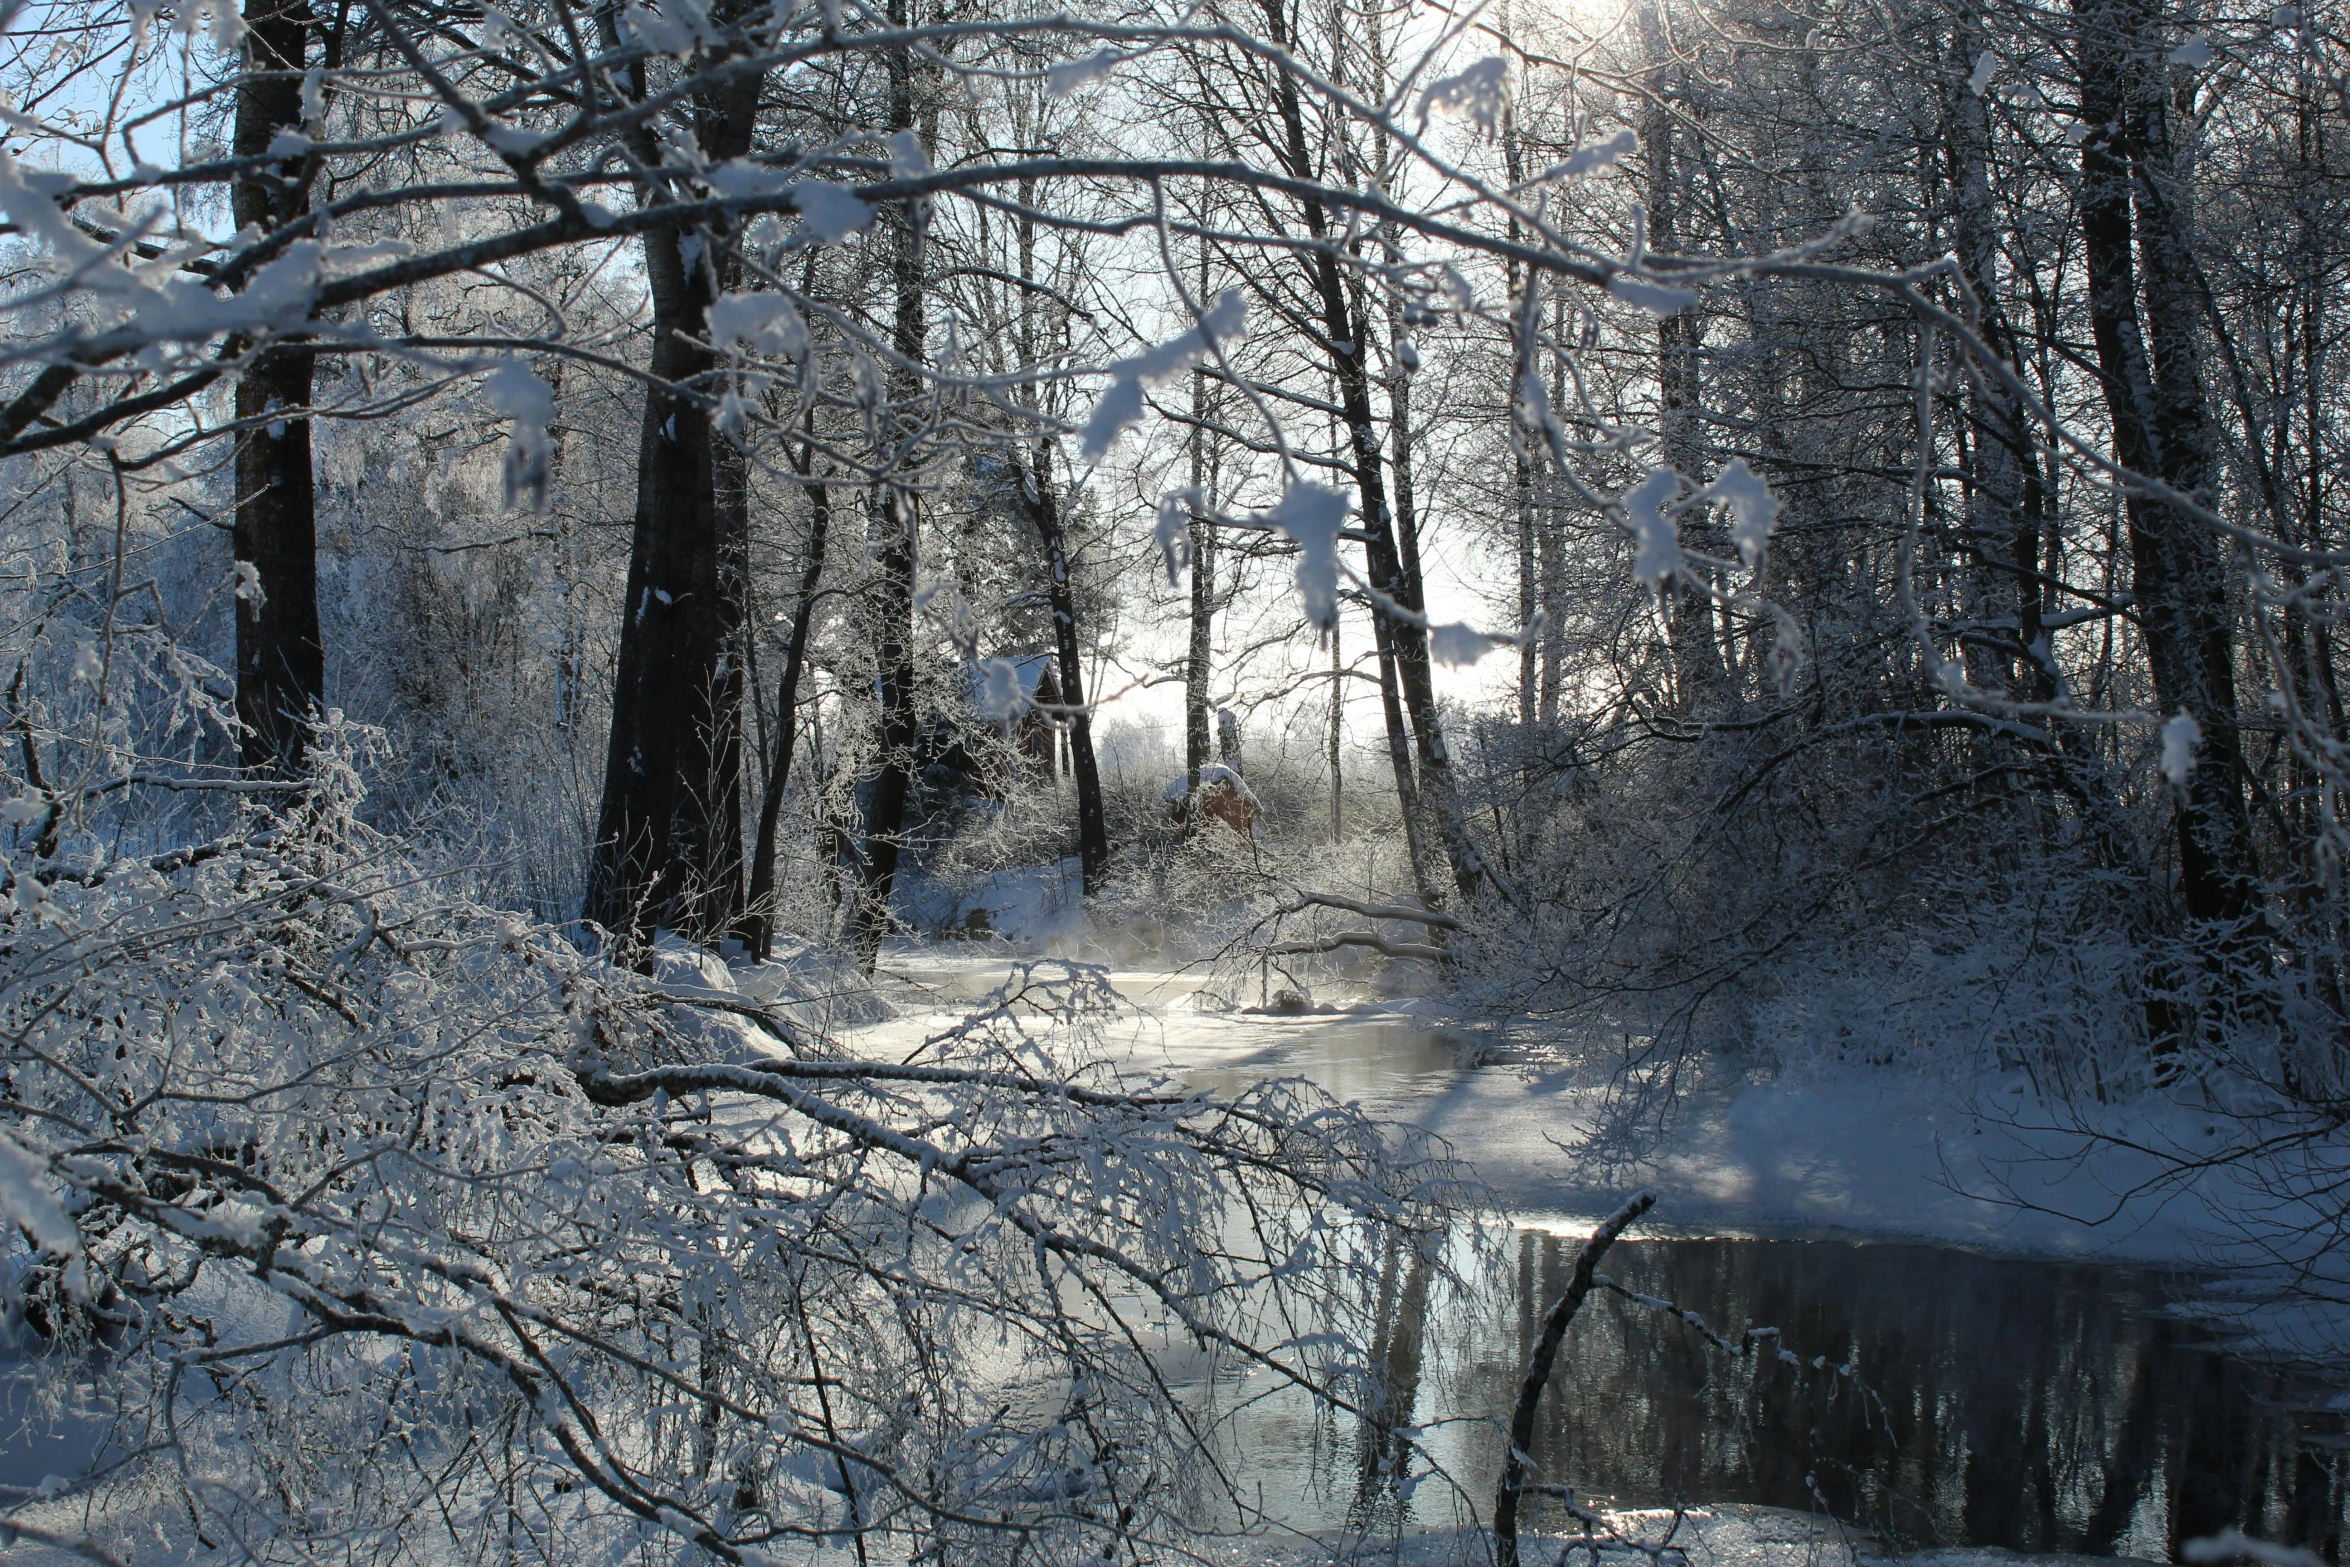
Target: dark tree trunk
[1394,561]
[2154,401]
[1521,282]
[1434,792]
[2004,496]
[758,926]
[892,593]
[730,486]
[1700,675]
[1399,761]
[2008,514]
[1042,499]
[891,597]
[1391,556]
[281,658]
[1093,823]
[1529,588]
[668,849]
[1517,1457]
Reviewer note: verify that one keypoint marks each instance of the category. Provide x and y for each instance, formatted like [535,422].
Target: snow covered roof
[1030,671]
[1212,773]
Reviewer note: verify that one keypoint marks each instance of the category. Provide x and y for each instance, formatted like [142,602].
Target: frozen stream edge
[1851,1160]
[1859,1157]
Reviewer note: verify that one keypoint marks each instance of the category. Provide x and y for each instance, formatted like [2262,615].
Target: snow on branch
[365,1149]
[1377,911]
[1387,947]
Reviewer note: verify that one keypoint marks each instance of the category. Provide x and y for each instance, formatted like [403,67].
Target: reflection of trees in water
[2034,1406]
[1398,1352]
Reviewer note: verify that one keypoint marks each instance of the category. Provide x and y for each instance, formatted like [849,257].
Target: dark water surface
[2030,1405]
[2036,1406]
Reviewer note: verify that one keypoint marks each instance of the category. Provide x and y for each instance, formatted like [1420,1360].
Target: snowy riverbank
[1558,1142]
[1858,1157]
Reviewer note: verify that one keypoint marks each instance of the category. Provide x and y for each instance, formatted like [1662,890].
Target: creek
[1993,1400]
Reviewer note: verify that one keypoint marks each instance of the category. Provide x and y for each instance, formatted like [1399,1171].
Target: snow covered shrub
[379,1220]
[116,655]
[1852,910]
[1965,994]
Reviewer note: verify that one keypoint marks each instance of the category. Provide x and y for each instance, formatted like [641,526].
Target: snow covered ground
[1855,1157]
[1727,1536]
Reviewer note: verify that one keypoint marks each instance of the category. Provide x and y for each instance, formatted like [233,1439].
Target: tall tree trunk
[281,656]
[2008,519]
[1392,556]
[2178,566]
[1199,658]
[730,496]
[1337,740]
[1429,792]
[1399,761]
[1549,543]
[1529,587]
[1042,498]
[757,930]
[899,526]
[1396,566]
[2002,520]
[1093,823]
[1519,278]
[1700,679]
[2313,163]
[1409,804]
[891,597]
[668,849]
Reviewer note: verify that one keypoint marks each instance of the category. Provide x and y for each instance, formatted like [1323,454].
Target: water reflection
[2029,1405]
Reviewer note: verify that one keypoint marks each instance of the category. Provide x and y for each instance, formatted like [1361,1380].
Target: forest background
[507,508]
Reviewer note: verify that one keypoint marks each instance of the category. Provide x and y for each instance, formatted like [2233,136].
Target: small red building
[1224,796]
